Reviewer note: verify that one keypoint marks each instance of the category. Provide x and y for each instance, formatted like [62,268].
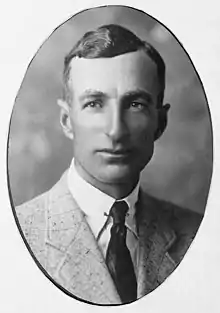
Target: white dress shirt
[96,206]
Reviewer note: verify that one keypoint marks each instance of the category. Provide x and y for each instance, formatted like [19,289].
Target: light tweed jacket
[60,240]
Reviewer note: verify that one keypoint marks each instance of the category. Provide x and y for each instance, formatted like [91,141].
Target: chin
[116,175]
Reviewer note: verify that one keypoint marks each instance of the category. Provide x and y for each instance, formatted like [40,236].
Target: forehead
[114,76]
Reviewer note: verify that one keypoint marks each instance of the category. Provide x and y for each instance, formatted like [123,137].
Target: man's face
[113,115]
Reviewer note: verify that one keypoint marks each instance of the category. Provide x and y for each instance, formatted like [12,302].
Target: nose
[117,128]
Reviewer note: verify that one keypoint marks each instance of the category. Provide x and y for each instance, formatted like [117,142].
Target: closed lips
[116,152]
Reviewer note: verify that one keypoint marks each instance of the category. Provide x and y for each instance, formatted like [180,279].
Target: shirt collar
[96,204]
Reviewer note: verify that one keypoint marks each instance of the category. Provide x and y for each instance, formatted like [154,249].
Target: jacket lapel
[155,238]
[73,257]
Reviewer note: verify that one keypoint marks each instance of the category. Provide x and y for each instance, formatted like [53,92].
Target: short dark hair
[109,41]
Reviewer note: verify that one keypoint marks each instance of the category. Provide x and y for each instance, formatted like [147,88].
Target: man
[97,235]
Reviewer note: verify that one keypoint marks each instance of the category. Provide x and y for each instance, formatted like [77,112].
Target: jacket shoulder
[32,211]
[182,220]
[179,218]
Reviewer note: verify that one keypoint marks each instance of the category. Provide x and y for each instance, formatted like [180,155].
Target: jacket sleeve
[31,221]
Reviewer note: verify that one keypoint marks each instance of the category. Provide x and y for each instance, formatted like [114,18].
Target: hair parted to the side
[109,41]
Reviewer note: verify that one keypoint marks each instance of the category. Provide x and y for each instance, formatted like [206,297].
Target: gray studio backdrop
[181,168]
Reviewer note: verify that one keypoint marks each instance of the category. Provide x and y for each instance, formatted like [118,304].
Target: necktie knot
[118,212]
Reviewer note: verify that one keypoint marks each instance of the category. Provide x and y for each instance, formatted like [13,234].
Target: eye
[96,104]
[138,106]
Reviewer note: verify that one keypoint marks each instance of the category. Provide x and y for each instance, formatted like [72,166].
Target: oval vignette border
[8,143]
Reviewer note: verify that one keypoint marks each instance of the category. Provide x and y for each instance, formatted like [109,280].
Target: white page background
[195,285]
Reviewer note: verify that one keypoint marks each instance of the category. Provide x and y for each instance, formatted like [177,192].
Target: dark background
[180,170]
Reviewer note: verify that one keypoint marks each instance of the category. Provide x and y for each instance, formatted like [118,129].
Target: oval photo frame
[59,238]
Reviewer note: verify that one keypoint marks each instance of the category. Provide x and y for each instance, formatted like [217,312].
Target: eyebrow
[92,93]
[138,93]
[133,94]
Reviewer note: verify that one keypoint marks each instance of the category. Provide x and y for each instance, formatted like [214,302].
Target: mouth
[118,154]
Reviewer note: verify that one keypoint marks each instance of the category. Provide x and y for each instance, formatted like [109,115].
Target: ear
[162,120]
[65,120]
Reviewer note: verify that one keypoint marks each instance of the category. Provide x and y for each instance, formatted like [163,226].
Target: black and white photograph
[110,155]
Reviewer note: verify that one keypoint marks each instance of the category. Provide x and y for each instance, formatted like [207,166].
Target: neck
[116,190]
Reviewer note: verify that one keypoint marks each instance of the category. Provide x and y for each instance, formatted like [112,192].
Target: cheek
[87,119]
[142,129]
[87,126]
[85,138]
[81,138]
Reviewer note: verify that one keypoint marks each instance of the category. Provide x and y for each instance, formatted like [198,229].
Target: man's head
[113,103]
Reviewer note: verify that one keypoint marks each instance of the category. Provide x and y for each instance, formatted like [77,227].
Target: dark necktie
[118,258]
